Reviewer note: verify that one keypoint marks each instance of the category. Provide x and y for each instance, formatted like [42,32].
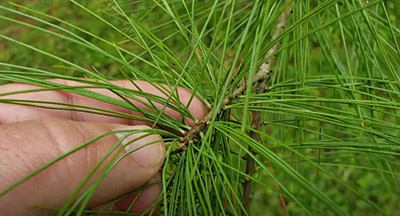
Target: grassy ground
[64,10]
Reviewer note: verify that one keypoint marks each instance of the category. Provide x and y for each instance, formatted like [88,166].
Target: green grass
[330,119]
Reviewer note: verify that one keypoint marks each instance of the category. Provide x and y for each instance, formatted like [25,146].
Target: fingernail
[156,178]
[148,150]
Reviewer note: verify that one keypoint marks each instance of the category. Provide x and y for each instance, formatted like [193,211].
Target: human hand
[30,137]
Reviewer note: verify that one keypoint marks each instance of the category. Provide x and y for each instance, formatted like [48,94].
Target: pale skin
[30,137]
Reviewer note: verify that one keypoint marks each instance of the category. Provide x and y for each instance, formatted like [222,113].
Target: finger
[28,145]
[12,113]
[142,201]
[139,202]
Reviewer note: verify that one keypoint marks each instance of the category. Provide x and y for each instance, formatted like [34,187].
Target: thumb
[26,146]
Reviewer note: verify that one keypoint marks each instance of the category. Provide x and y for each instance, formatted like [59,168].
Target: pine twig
[263,76]
[261,79]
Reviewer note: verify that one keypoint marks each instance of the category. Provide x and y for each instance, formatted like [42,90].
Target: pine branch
[260,81]
[262,77]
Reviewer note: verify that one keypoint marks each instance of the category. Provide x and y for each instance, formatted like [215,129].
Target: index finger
[13,113]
